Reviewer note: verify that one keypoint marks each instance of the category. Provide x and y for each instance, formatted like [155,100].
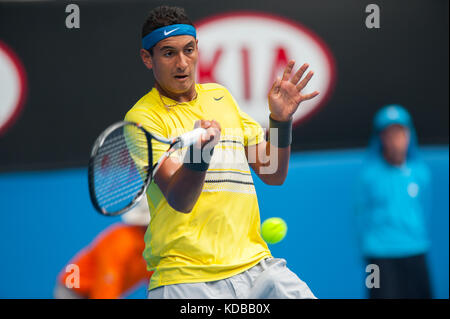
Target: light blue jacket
[392,203]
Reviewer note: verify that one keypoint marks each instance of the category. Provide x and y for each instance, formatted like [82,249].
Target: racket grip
[189,138]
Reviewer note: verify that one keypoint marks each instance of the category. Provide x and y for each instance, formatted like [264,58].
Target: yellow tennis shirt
[221,236]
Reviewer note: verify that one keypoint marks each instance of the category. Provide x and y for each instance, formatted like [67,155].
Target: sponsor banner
[12,88]
[246,51]
[68,71]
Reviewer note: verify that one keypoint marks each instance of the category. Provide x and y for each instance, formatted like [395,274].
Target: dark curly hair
[163,16]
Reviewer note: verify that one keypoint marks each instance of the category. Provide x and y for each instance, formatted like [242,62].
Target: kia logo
[12,88]
[246,51]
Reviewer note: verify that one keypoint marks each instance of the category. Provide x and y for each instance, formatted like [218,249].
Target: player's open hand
[286,93]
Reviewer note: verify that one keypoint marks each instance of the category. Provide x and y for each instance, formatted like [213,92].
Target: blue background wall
[46,217]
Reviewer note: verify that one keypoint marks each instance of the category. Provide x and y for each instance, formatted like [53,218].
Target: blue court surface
[47,217]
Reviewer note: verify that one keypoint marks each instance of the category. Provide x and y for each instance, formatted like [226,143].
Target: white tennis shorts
[269,279]
[62,292]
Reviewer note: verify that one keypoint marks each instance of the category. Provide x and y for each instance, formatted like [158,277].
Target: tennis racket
[120,167]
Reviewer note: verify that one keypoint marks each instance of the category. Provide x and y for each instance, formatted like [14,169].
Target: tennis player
[204,237]
[112,265]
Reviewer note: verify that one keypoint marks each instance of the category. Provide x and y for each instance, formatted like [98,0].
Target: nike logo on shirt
[218,98]
[169,32]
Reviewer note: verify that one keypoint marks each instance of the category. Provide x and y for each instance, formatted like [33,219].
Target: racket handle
[189,138]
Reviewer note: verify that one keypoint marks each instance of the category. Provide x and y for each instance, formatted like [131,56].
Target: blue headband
[159,34]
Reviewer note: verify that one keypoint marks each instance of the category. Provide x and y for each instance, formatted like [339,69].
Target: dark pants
[402,278]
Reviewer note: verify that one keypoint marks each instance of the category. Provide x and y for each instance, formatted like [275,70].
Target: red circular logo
[12,89]
[246,51]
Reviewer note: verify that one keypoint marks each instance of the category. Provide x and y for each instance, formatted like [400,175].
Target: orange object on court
[111,265]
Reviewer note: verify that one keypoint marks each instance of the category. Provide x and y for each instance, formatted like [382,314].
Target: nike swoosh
[219,98]
[169,32]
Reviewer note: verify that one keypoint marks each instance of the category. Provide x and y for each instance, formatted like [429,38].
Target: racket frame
[98,143]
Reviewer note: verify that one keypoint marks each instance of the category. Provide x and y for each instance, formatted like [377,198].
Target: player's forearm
[279,158]
[182,183]
[274,164]
[185,188]
[274,156]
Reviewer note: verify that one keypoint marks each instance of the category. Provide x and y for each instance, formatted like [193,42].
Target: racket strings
[120,168]
[120,196]
[118,192]
[112,143]
[115,169]
[113,172]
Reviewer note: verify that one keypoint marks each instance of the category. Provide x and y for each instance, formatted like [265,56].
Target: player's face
[174,63]
[395,140]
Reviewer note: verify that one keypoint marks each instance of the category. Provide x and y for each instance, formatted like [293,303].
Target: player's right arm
[181,185]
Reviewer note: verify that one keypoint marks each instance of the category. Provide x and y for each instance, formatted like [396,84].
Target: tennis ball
[273,230]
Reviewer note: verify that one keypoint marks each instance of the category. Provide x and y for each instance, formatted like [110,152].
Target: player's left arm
[271,163]
[272,157]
